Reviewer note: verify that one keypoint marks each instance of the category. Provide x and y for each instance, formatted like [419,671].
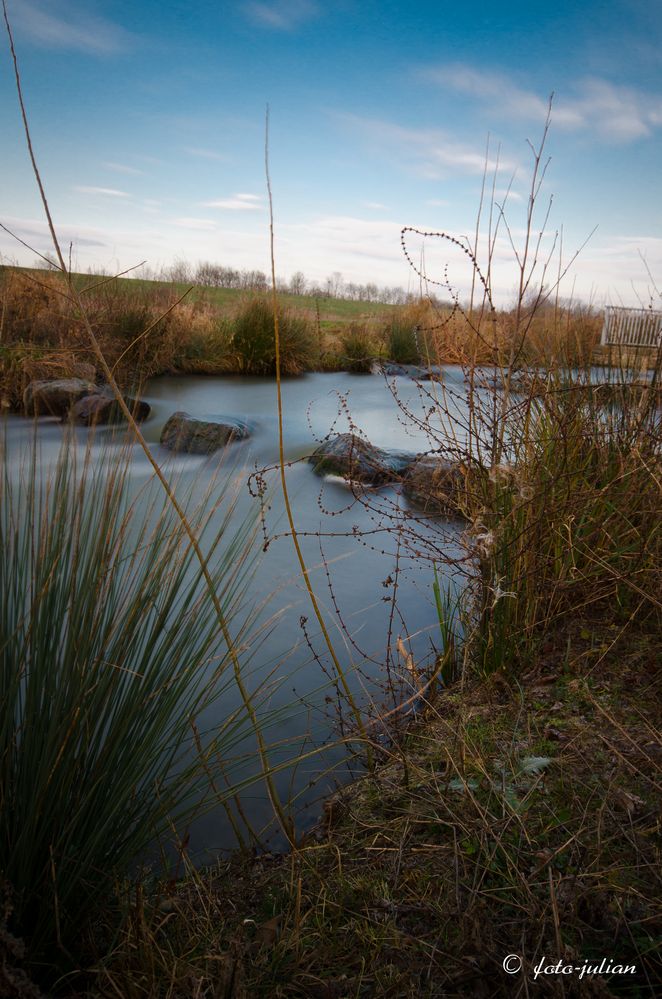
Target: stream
[354,552]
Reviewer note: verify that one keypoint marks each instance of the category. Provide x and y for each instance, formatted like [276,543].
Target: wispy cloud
[197,224]
[506,194]
[73,29]
[106,192]
[345,238]
[37,235]
[283,15]
[122,168]
[205,154]
[595,106]
[431,153]
[374,206]
[237,203]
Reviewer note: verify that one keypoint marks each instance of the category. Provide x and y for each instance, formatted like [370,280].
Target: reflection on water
[352,551]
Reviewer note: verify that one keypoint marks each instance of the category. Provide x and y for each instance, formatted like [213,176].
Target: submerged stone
[418,372]
[55,397]
[183,432]
[356,459]
[103,407]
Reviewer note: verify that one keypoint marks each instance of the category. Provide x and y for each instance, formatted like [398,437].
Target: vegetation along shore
[501,835]
[516,810]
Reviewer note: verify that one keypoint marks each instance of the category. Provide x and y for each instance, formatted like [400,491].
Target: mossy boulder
[183,432]
[356,459]
[55,397]
[102,407]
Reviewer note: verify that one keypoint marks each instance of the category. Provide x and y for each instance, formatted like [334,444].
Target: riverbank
[503,815]
[147,328]
[515,818]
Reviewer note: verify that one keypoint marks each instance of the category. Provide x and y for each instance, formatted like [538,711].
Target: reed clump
[148,328]
[143,330]
[567,521]
[358,349]
[402,344]
[544,336]
[254,343]
[109,654]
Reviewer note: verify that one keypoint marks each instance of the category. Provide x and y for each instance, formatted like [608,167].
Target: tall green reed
[110,655]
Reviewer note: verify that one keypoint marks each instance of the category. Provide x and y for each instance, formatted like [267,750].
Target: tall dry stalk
[76,298]
[340,673]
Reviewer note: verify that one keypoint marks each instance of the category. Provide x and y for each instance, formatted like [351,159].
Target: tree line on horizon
[212,275]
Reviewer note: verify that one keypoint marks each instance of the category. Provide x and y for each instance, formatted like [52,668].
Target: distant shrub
[401,342]
[254,341]
[207,349]
[357,349]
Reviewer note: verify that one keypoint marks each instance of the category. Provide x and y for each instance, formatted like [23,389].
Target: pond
[360,551]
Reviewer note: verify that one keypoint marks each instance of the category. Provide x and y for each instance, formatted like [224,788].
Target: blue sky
[148,123]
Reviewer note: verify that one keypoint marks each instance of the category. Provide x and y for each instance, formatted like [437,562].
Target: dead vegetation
[513,819]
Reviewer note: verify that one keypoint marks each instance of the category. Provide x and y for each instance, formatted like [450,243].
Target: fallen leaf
[267,933]
[555,734]
[628,802]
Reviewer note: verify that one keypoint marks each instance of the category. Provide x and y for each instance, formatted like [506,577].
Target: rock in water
[435,484]
[356,459]
[186,433]
[103,407]
[55,397]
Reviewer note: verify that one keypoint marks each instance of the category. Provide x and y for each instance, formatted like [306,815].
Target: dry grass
[142,333]
[513,820]
[146,329]
[547,337]
[150,328]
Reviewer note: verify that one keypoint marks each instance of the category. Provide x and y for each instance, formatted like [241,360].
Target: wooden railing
[631,327]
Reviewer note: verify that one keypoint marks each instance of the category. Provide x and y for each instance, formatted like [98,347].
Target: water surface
[356,550]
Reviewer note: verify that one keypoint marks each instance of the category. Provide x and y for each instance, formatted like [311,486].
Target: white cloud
[344,238]
[237,203]
[374,206]
[612,113]
[76,29]
[205,154]
[621,114]
[106,192]
[363,249]
[504,194]
[193,223]
[283,15]
[36,234]
[616,271]
[122,168]
[431,153]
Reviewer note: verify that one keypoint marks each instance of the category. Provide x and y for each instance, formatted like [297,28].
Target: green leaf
[456,784]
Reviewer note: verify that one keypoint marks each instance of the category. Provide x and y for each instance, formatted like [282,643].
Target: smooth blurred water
[352,547]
